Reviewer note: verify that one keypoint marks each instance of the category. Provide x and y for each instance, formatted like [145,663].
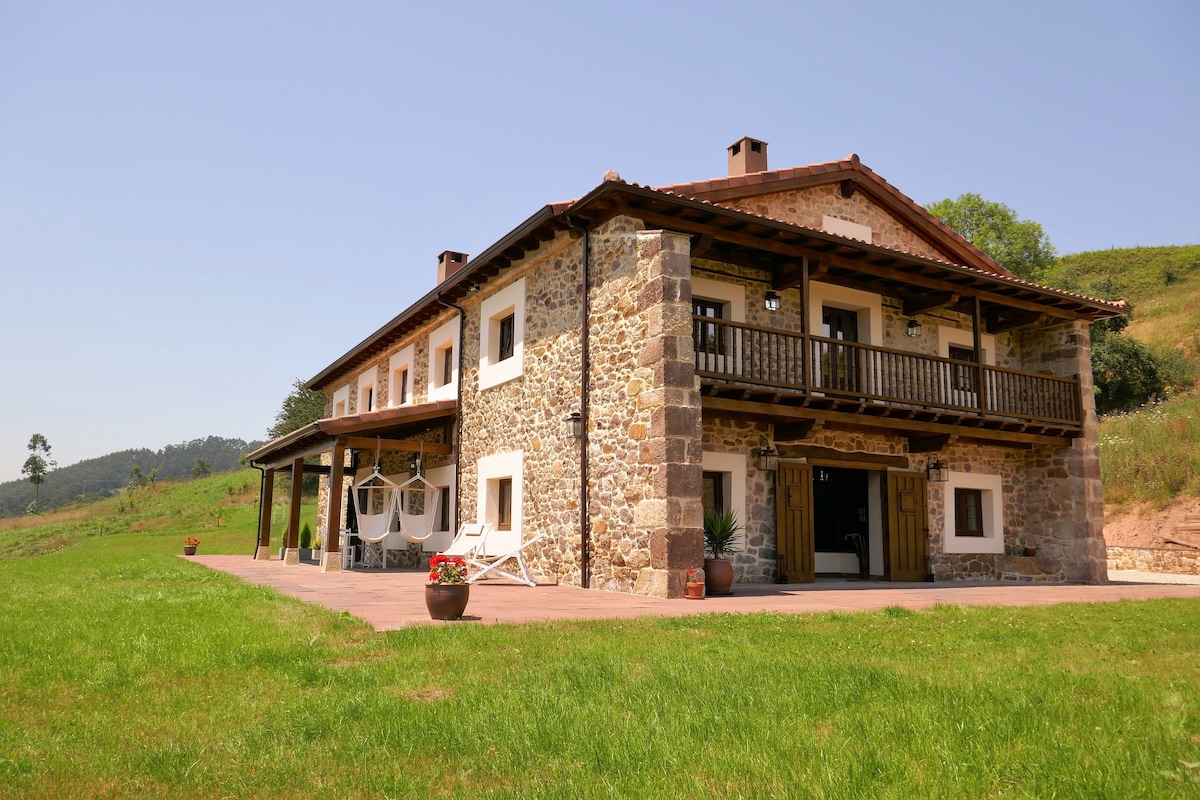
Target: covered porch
[427,428]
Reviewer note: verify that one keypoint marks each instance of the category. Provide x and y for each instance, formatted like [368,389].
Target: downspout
[585,534]
[262,490]
[458,417]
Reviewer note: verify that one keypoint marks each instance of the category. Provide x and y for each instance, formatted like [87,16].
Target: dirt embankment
[1143,526]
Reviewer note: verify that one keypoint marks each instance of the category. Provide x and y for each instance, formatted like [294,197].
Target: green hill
[95,478]
[1151,455]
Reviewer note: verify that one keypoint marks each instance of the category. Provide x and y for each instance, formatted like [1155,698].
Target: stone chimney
[450,262]
[747,155]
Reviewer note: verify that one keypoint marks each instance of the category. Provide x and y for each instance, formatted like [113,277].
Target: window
[968,512]
[504,504]
[401,389]
[506,338]
[710,337]
[443,362]
[341,401]
[962,376]
[443,522]
[502,335]
[713,498]
[973,518]
[366,391]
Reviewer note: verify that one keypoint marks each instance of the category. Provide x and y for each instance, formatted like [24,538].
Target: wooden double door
[905,525]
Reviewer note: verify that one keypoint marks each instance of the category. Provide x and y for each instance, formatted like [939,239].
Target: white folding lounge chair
[470,538]
[489,564]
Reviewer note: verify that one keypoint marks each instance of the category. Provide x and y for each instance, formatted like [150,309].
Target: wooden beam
[929,443]
[794,431]
[1000,323]
[333,511]
[293,534]
[405,445]
[914,305]
[266,500]
[812,452]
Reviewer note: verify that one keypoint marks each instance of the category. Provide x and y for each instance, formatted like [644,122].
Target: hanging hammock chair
[376,504]
[418,506]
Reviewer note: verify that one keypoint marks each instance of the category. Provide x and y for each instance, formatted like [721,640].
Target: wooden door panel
[794,522]
[908,542]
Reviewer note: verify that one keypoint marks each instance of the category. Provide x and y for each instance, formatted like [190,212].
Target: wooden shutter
[908,543]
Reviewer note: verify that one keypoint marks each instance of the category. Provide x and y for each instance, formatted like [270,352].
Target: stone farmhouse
[806,346]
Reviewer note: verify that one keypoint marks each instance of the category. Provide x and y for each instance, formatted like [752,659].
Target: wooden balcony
[833,379]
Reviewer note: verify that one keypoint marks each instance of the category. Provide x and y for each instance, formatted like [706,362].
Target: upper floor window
[963,377]
[443,362]
[400,388]
[968,512]
[502,335]
[341,401]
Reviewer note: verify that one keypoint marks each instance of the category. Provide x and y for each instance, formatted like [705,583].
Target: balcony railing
[817,367]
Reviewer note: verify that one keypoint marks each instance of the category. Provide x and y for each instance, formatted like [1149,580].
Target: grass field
[129,672]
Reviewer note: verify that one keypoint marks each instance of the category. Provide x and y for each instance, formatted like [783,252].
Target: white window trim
[400,361]
[992,489]
[442,476]
[367,380]
[509,300]
[491,469]
[445,336]
[959,338]
[868,305]
[733,295]
[735,466]
[341,398]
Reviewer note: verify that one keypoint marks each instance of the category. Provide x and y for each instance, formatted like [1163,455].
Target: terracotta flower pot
[718,576]
[695,591]
[447,600]
[189,549]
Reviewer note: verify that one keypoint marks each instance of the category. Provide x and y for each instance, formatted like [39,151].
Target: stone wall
[807,207]
[1155,559]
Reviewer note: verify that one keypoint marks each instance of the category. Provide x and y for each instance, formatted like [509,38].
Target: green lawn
[129,672]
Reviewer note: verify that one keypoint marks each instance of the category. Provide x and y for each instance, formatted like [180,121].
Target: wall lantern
[575,424]
[937,471]
[914,328]
[768,458]
[772,302]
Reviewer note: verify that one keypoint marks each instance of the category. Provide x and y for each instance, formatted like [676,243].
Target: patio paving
[392,599]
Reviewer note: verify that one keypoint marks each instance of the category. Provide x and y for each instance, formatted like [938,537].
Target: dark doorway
[839,362]
[840,506]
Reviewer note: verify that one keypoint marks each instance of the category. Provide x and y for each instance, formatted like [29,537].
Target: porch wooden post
[291,555]
[331,556]
[977,332]
[266,497]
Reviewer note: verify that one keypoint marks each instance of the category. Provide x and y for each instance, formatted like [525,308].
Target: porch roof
[322,435]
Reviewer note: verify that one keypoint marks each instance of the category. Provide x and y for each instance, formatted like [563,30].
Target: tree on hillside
[1127,373]
[201,469]
[300,407]
[37,465]
[1020,245]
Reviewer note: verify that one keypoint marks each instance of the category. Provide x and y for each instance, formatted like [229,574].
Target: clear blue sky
[202,201]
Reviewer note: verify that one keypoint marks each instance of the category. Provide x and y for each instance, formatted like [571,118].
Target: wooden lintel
[366,443]
[929,302]
[794,431]
[929,443]
[828,454]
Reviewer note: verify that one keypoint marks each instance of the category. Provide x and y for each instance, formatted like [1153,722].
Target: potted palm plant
[720,532]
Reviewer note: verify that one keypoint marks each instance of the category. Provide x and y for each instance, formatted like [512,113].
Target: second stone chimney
[450,262]
[747,155]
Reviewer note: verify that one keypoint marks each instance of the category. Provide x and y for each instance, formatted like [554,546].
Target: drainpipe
[585,535]
[458,418]
[262,490]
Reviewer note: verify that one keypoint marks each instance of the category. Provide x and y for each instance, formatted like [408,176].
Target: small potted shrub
[695,584]
[720,532]
[189,545]
[306,542]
